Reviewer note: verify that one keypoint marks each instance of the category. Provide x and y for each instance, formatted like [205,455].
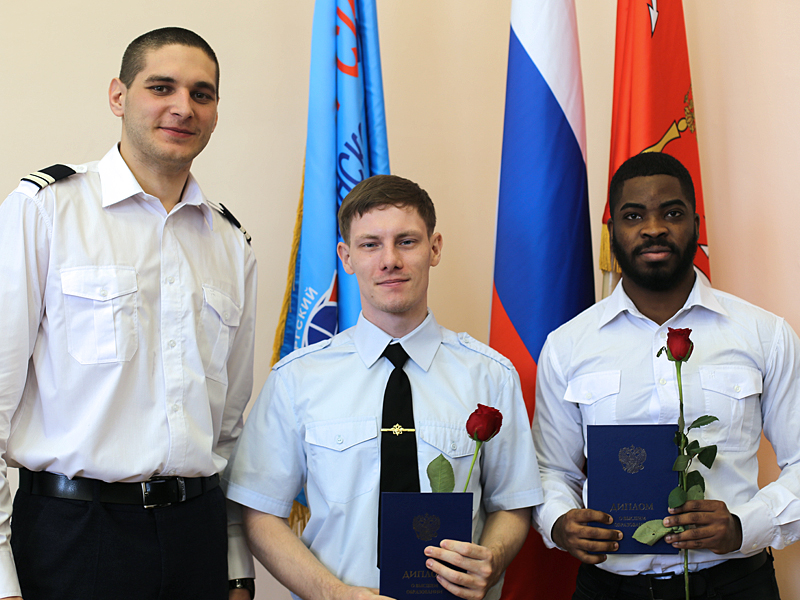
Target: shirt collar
[701,295]
[118,183]
[421,344]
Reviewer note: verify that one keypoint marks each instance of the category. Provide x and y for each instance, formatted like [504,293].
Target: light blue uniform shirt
[315,426]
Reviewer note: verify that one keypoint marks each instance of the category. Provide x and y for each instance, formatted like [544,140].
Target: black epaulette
[229,215]
[45,177]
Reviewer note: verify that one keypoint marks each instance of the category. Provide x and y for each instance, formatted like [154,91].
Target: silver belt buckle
[181,490]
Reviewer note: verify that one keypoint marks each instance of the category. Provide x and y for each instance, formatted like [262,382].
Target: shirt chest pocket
[343,457]
[100,307]
[733,395]
[219,319]
[458,448]
[453,442]
[596,394]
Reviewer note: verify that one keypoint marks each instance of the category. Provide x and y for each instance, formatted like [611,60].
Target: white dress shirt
[601,368]
[316,426]
[127,344]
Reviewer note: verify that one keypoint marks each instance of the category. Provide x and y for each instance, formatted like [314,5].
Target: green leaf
[663,348]
[680,463]
[695,493]
[677,497]
[441,476]
[693,448]
[702,421]
[707,455]
[694,478]
[651,531]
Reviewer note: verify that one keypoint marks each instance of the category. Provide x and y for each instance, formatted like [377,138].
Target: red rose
[484,423]
[679,344]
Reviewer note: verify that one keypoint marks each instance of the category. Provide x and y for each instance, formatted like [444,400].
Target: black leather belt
[672,587]
[155,492]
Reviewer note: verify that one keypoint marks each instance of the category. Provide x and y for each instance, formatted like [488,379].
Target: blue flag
[345,144]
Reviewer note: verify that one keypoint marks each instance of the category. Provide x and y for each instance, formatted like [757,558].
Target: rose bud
[679,344]
[484,423]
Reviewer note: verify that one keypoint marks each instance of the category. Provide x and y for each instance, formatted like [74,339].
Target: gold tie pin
[397,430]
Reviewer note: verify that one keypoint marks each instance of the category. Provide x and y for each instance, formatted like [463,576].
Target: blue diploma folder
[630,476]
[410,522]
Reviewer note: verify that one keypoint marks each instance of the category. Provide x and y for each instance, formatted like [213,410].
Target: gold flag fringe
[608,261]
[298,517]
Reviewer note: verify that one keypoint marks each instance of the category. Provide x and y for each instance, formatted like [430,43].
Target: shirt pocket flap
[589,388]
[449,441]
[98,283]
[228,311]
[341,435]
[733,381]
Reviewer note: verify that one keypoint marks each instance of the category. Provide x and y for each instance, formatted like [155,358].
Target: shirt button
[104,293]
[662,381]
[453,446]
[736,388]
[588,395]
[339,439]
[175,408]
[663,335]
[226,315]
[172,343]
[171,280]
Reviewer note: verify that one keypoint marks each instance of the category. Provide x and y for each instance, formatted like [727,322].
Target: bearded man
[601,369]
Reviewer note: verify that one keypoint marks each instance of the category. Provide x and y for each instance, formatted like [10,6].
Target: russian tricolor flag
[543,260]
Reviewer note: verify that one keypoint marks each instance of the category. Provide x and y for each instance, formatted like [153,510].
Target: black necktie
[399,471]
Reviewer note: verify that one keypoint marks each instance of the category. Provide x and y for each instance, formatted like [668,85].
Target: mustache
[656,244]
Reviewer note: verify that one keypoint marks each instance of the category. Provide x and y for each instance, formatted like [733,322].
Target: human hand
[572,533]
[482,567]
[715,528]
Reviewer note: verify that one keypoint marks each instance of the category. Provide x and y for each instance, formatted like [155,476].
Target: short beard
[657,278]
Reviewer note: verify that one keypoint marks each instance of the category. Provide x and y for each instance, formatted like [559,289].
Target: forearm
[503,534]
[240,561]
[289,560]
[557,432]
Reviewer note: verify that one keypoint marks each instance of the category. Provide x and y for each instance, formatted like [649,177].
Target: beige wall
[444,76]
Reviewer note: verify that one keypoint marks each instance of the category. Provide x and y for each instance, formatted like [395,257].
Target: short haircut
[379,191]
[645,165]
[135,56]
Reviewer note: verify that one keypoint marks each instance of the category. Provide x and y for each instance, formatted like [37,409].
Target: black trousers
[71,549]
[758,585]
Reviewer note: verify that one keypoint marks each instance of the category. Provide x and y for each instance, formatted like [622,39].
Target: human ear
[116,96]
[343,252]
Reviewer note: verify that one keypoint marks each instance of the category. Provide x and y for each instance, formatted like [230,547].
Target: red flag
[653,107]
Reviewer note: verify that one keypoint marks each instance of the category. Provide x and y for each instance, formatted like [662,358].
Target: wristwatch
[248,584]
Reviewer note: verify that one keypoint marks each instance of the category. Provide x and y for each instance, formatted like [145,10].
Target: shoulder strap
[45,177]
[229,216]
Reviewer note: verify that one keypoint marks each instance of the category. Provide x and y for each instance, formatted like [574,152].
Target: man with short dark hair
[321,423]
[128,313]
[601,368]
